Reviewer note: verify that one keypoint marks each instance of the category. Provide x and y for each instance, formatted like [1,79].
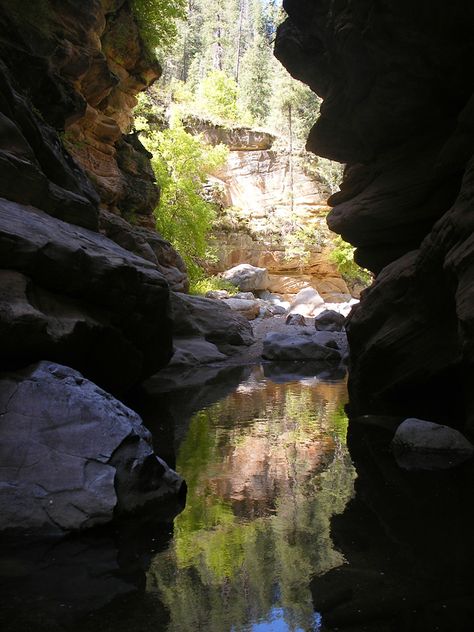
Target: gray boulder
[72,455]
[301,345]
[296,319]
[329,320]
[249,309]
[247,278]
[209,319]
[420,444]
[194,351]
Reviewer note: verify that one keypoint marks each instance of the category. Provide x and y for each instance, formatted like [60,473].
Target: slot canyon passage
[276,455]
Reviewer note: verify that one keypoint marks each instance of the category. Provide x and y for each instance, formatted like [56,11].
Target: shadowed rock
[72,456]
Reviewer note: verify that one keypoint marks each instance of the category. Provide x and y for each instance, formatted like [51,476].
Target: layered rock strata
[408,189]
[266,192]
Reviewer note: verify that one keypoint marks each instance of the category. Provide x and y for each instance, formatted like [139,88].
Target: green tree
[157,21]
[256,70]
[182,163]
[217,96]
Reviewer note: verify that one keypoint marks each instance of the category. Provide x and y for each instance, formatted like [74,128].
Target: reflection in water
[266,469]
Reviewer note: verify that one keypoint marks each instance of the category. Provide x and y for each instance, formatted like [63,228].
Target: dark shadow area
[407,539]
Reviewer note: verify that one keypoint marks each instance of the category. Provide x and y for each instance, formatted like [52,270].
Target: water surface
[267,468]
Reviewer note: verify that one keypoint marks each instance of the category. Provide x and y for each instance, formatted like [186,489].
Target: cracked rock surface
[72,455]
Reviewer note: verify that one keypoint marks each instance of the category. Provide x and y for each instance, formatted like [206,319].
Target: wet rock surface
[72,455]
[407,192]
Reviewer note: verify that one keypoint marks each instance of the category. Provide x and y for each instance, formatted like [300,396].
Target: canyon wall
[269,197]
[70,177]
[84,294]
[396,79]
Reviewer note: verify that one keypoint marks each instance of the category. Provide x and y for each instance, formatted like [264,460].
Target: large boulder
[247,278]
[194,351]
[307,302]
[72,455]
[329,320]
[210,319]
[301,345]
[420,444]
[78,298]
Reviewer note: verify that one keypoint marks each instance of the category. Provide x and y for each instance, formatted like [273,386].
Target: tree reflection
[266,469]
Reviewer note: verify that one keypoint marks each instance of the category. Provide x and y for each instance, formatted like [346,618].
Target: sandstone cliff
[396,78]
[268,194]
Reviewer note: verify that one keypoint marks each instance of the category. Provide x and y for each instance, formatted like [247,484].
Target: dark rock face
[407,541]
[71,454]
[72,295]
[69,73]
[69,294]
[407,192]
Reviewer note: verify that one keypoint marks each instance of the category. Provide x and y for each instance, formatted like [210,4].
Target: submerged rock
[420,444]
[72,455]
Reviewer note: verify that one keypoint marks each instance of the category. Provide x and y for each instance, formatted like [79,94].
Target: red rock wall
[397,83]
[82,64]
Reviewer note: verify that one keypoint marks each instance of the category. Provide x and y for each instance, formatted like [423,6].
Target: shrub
[182,163]
[343,257]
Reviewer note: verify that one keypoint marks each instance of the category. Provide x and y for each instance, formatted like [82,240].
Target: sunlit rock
[307,302]
[247,277]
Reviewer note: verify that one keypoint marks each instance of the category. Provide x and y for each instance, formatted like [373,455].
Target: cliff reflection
[266,468]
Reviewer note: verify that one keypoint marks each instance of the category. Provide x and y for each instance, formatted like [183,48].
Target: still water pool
[267,468]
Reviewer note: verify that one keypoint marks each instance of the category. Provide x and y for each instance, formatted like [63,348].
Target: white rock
[307,302]
[250,309]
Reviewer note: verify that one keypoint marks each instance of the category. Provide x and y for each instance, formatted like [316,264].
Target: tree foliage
[157,20]
[343,257]
[182,163]
[217,96]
